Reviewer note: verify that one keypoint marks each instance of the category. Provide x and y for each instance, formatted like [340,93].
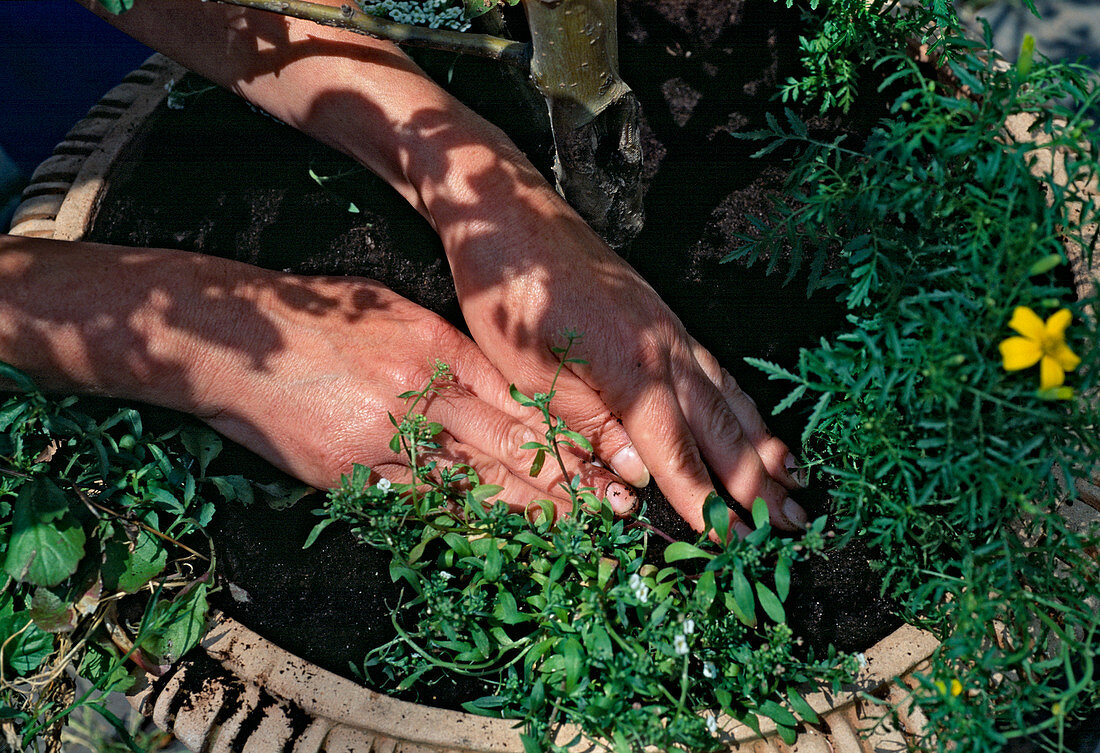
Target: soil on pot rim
[220,177]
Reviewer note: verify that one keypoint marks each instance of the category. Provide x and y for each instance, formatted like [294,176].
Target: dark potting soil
[220,177]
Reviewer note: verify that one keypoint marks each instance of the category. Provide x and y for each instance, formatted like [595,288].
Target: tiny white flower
[384,484]
[169,85]
[638,586]
[712,724]
[689,626]
[680,644]
[862,660]
[445,575]
[709,670]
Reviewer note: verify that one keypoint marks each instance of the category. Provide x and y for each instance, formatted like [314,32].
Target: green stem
[351,19]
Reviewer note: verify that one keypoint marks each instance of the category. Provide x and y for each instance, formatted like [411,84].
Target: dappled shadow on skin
[518,240]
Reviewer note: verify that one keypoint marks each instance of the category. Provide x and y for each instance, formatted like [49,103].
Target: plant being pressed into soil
[572,622]
[946,451]
[92,511]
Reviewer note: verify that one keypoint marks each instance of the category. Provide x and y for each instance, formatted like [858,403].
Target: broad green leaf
[783,578]
[317,529]
[29,647]
[52,613]
[128,566]
[682,550]
[179,624]
[759,513]
[494,561]
[743,600]
[202,443]
[282,493]
[573,656]
[233,488]
[705,590]
[773,607]
[46,541]
[717,516]
[802,707]
[778,714]
[21,381]
[102,666]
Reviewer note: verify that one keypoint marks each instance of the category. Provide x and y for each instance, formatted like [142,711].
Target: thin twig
[346,17]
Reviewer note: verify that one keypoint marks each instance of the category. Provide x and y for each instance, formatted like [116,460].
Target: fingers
[499,437]
[778,460]
[725,445]
[584,411]
[516,492]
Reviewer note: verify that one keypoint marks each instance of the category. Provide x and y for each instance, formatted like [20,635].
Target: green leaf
[52,613]
[573,656]
[682,550]
[233,488]
[705,590]
[128,566]
[802,707]
[494,562]
[46,541]
[783,578]
[22,381]
[27,648]
[759,513]
[537,463]
[117,6]
[202,443]
[281,493]
[773,607]
[519,397]
[577,439]
[483,492]
[178,625]
[778,714]
[317,529]
[743,601]
[102,666]
[786,734]
[716,514]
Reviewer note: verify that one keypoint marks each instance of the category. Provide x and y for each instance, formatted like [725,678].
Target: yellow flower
[1043,343]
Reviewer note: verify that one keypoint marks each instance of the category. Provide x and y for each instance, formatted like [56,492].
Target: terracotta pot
[248,694]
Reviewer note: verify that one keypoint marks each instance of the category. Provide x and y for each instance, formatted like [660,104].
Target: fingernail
[741,529]
[794,513]
[620,497]
[794,469]
[630,468]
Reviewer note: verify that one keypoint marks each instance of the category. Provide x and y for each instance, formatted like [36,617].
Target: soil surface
[220,177]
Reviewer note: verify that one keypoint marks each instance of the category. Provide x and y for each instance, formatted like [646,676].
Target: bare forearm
[360,95]
[138,323]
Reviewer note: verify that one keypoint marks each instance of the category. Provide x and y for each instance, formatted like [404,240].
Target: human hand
[321,401]
[305,371]
[530,269]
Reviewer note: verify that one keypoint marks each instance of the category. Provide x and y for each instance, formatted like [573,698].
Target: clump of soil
[219,177]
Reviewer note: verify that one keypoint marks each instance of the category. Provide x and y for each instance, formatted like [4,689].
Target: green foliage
[934,231]
[579,620]
[92,510]
[844,36]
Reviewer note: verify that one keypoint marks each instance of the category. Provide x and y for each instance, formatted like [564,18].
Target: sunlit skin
[304,370]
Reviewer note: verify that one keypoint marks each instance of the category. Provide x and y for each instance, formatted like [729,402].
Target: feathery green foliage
[933,232]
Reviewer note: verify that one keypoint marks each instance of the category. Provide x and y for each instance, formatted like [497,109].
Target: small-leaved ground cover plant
[571,622]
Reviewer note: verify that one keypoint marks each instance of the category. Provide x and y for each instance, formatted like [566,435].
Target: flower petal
[1020,353]
[1065,357]
[1051,374]
[1027,323]
[1057,323]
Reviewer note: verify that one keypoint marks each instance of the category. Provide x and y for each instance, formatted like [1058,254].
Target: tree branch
[346,17]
